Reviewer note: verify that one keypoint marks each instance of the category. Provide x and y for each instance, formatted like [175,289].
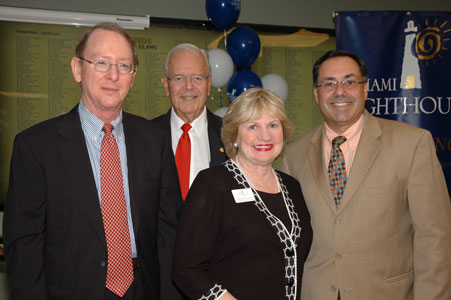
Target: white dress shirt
[200,147]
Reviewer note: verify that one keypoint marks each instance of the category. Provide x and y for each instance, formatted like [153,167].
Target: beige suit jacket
[391,237]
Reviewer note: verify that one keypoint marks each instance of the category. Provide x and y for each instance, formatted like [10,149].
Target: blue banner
[408,55]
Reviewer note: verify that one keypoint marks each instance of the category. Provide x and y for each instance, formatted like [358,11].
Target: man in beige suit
[388,236]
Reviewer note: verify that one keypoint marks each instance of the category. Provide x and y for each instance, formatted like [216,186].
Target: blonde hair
[251,105]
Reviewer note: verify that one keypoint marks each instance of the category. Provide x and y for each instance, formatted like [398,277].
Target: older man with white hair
[195,131]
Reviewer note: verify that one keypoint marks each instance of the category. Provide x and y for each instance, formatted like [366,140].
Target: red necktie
[114,214]
[337,170]
[183,159]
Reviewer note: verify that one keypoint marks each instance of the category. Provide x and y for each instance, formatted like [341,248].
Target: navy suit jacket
[217,151]
[55,245]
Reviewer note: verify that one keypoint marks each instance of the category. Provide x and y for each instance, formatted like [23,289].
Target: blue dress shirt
[92,129]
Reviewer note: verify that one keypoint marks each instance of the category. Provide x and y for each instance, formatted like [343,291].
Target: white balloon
[221,67]
[221,111]
[276,84]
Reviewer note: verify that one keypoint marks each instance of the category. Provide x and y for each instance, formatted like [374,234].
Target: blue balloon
[223,13]
[243,45]
[242,81]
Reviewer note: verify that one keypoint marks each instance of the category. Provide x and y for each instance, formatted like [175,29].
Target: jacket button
[103,264]
[333,289]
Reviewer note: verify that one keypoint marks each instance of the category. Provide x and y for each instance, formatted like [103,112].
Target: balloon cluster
[243,47]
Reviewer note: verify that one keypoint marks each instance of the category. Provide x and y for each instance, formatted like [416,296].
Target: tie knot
[186,127]
[337,141]
[107,127]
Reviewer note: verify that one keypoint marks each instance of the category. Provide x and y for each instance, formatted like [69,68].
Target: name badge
[243,195]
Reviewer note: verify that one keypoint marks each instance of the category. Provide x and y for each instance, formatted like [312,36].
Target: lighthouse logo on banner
[409,68]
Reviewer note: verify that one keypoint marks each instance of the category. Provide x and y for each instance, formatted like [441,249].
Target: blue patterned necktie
[337,170]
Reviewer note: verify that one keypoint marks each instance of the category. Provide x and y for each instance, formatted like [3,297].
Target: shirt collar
[93,125]
[352,134]
[198,125]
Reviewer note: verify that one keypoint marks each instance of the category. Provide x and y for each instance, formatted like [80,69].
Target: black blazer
[217,151]
[55,245]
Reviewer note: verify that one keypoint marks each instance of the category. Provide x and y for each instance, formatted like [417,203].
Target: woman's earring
[235,145]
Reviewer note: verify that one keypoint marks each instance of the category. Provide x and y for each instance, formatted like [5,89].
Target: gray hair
[188,48]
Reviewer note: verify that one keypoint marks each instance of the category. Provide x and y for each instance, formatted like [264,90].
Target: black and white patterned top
[254,250]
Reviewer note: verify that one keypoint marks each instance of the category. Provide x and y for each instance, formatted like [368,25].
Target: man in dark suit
[57,241]
[187,82]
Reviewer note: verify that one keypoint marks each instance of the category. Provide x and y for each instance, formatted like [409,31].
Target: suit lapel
[217,152]
[367,149]
[166,121]
[74,153]
[318,168]
[136,147]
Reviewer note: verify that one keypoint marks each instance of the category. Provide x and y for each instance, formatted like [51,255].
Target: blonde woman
[245,230]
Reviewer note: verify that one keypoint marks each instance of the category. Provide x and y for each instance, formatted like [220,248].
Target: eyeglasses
[181,79]
[102,65]
[333,85]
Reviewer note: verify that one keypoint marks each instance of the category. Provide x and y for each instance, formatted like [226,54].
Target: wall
[299,13]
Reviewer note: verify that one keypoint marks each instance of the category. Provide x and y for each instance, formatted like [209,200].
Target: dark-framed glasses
[333,85]
[182,80]
[103,65]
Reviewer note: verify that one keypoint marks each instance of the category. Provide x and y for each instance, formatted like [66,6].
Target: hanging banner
[408,55]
